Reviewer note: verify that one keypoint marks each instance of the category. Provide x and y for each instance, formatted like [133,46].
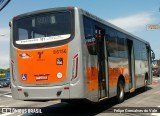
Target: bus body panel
[76,72]
[42,66]
[89,67]
[117,67]
[77,84]
[40,93]
[68,87]
[141,68]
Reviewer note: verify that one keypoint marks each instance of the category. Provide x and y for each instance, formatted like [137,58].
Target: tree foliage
[3,72]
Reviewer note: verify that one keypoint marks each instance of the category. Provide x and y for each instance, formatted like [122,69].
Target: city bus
[70,54]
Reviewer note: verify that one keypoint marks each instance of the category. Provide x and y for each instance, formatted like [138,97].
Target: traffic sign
[153,26]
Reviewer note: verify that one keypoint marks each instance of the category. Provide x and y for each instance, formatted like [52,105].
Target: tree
[7,70]
[2,71]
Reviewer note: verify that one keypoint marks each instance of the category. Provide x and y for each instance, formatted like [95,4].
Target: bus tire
[145,84]
[120,91]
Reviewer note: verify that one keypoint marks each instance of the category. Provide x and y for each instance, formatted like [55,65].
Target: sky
[132,16]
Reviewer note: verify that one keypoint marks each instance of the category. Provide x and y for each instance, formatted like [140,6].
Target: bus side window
[140,50]
[144,52]
[89,35]
[122,46]
[112,44]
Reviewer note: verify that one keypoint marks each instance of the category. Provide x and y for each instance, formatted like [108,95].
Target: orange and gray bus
[69,54]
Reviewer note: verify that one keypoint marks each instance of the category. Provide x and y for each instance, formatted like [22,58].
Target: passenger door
[131,63]
[102,82]
[149,64]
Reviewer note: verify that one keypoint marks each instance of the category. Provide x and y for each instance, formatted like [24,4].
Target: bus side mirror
[153,55]
[9,24]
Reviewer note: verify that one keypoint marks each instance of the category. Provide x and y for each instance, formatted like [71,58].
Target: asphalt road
[139,101]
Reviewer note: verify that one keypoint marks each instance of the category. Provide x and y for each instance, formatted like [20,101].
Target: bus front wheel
[120,91]
[145,84]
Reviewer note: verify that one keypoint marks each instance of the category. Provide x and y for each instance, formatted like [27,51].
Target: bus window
[89,31]
[112,44]
[30,29]
[24,33]
[122,46]
[144,52]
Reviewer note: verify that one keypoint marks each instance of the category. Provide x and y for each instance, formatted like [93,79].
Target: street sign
[153,27]
[3,3]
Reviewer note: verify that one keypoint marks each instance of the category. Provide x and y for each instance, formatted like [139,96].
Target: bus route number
[62,51]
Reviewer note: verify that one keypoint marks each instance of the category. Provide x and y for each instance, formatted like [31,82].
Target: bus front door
[149,64]
[101,63]
[131,65]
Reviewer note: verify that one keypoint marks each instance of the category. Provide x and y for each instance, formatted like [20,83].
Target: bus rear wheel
[120,91]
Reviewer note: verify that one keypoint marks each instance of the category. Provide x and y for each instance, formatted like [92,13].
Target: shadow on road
[81,108]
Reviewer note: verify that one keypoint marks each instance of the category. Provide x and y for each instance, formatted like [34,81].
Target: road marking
[156,79]
[3,106]
[155,114]
[7,95]
[6,114]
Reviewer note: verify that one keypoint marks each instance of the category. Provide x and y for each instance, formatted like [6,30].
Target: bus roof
[43,11]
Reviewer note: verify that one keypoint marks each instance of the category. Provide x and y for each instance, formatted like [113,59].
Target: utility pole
[3,3]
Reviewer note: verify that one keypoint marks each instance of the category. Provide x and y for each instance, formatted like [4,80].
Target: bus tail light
[66,88]
[19,89]
[75,67]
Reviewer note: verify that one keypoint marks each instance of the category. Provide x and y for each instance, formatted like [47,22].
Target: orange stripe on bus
[114,74]
[42,65]
[92,78]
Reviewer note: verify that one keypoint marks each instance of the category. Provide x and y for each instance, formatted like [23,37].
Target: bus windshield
[42,28]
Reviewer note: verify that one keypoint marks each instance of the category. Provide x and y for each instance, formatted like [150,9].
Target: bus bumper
[40,93]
